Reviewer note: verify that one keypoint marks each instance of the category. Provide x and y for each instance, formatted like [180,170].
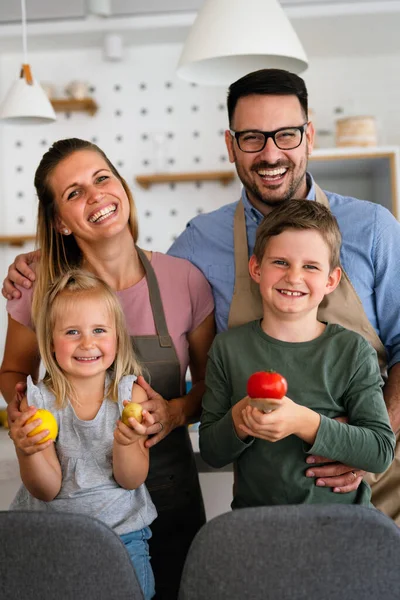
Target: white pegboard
[140,101]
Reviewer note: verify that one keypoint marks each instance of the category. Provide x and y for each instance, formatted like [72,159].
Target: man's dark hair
[275,82]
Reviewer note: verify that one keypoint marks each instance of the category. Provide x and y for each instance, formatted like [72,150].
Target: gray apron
[173,481]
[342,306]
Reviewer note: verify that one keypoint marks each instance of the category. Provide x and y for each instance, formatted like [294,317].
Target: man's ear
[254,269]
[229,146]
[333,280]
[310,136]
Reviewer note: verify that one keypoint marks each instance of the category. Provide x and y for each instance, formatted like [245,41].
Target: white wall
[359,85]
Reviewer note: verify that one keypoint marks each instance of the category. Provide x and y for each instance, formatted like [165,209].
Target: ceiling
[10,10]
[325,27]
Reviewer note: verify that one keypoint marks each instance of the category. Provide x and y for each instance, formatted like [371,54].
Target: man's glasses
[286,138]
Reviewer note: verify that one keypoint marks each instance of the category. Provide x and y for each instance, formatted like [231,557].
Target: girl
[96,467]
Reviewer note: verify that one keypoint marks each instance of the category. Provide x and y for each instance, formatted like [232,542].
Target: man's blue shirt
[370,255]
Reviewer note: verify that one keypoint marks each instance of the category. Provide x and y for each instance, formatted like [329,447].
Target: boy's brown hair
[300,215]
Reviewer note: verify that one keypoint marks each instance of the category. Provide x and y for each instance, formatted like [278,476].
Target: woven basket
[356,131]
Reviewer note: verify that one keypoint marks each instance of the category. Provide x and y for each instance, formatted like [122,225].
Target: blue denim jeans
[138,549]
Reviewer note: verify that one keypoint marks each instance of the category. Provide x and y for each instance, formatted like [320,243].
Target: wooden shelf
[16,240]
[224,177]
[73,105]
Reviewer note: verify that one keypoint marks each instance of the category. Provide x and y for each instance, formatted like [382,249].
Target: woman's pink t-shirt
[185,294]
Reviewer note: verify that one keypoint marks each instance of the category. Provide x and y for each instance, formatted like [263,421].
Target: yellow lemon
[48,422]
[132,409]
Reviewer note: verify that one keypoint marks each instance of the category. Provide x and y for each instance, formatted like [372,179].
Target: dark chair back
[324,552]
[59,556]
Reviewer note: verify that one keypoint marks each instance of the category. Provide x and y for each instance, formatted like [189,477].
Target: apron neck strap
[155,300]
[321,197]
[240,237]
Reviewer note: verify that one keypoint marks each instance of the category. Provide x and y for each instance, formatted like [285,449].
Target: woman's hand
[20,273]
[19,430]
[126,436]
[160,410]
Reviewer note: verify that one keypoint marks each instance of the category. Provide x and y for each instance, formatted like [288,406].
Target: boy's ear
[333,280]
[254,269]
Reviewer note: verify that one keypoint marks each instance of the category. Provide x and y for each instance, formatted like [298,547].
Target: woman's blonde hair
[60,253]
[72,287]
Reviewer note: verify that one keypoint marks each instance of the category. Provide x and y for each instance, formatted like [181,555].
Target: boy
[331,372]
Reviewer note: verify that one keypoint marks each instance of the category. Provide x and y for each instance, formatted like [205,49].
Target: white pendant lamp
[26,102]
[231,38]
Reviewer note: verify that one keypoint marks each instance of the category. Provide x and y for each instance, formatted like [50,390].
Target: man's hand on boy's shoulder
[20,273]
[342,478]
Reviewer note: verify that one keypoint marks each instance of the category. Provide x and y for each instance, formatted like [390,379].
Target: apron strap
[155,301]
[240,245]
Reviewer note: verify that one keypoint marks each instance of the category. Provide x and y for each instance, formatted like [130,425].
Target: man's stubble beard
[253,190]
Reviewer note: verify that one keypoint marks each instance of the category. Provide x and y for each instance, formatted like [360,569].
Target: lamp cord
[24,36]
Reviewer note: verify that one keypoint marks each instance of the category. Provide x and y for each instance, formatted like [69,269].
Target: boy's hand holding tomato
[271,415]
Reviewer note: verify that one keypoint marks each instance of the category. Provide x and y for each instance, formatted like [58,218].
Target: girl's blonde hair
[72,287]
[60,253]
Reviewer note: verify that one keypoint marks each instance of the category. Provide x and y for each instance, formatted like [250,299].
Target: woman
[87,218]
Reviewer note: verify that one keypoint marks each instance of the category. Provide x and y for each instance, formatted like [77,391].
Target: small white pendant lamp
[231,38]
[26,102]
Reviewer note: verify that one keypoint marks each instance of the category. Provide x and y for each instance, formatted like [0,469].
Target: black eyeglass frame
[267,135]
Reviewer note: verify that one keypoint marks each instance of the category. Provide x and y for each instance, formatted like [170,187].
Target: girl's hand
[19,430]
[286,419]
[125,435]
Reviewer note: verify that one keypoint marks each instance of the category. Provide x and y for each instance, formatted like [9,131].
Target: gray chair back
[323,552]
[57,556]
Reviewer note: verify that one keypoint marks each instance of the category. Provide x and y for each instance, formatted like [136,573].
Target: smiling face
[91,201]
[84,336]
[271,175]
[294,274]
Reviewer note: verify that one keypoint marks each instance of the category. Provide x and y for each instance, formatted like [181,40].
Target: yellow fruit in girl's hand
[48,422]
[132,409]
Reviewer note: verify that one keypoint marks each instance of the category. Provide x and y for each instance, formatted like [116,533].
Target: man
[270,140]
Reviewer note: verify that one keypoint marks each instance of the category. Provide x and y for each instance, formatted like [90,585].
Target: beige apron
[342,306]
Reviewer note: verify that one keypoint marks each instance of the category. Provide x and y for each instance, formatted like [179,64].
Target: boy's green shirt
[336,374]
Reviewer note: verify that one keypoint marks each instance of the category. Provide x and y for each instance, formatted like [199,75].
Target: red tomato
[266,384]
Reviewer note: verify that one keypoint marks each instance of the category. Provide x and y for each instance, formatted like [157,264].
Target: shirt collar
[255,214]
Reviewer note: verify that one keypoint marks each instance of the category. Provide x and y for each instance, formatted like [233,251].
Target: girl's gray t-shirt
[84,449]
